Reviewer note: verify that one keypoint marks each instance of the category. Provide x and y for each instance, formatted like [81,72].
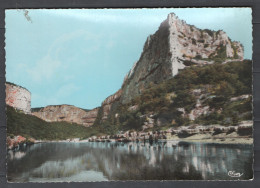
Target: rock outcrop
[173,47]
[15,141]
[67,113]
[107,103]
[18,97]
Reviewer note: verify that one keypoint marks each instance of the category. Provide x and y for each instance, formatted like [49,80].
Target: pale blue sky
[80,57]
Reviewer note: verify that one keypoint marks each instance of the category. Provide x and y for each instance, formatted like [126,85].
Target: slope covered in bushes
[30,126]
[217,83]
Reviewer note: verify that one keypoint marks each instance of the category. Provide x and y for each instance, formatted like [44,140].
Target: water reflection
[96,161]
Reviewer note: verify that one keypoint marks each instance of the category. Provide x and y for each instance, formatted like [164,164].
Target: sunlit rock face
[67,113]
[18,98]
[174,46]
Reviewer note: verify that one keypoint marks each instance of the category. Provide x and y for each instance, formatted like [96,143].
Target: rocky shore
[15,142]
[240,134]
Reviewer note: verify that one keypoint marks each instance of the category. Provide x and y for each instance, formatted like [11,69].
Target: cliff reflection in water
[130,161]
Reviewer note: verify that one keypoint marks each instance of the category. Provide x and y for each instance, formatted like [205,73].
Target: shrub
[193,41]
[198,57]
[201,40]
[184,134]
[211,33]
[231,130]
[245,131]
[206,45]
[217,130]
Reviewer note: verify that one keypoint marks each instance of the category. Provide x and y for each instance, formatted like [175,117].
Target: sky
[81,56]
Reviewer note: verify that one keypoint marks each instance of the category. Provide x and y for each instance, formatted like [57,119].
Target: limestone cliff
[173,47]
[18,97]
[67,113]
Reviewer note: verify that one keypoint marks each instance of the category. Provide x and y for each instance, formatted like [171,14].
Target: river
[98,161]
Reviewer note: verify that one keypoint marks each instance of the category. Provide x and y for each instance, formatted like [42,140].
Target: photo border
[29,4]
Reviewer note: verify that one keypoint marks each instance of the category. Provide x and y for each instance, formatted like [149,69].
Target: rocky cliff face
[173,47]
[67,113]
[107,103]
[18,98]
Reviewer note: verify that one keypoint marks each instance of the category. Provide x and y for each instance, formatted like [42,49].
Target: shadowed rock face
[107,103]
[18,98]
[67,113]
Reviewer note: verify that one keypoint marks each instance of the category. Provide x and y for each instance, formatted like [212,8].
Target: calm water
[132,161]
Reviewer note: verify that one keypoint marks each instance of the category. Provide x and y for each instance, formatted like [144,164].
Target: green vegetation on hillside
[217,82]
[36,109]
[30,126]
[235,50]
[210,32]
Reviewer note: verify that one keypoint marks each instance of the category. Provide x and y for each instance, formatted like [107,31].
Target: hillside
[66,113]
[175,46]
[30,126]
[206,95]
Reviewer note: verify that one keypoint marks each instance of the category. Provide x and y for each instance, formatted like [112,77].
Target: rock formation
[18,97]
[174,46]
[67,113]
[107,103]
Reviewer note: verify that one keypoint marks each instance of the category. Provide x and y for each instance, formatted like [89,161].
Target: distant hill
[30,126]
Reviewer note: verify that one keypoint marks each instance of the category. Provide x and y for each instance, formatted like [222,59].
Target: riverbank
[15,142]
[233,138]
[201,138]
[240,134]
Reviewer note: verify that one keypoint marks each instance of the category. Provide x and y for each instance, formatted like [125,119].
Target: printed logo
[234,174]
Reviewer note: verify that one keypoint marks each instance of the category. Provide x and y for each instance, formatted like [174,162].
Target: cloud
[59,96]
[53,62]
[145,16]
[44,70]
[105,16]
[66,90]
[58,45]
